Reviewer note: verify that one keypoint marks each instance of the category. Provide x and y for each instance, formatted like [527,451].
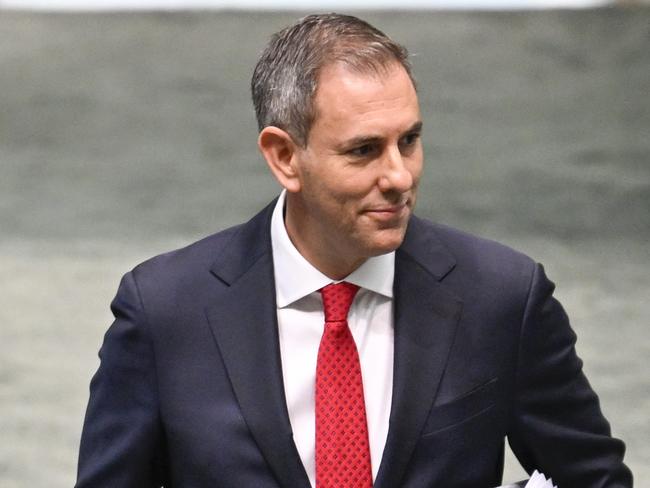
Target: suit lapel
[244,322]
[426,317]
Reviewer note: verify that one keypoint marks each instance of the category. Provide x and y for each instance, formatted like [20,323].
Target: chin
[389,242]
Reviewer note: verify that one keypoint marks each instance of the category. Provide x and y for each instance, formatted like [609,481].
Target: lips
[395,207]
[388,212]
[391,209]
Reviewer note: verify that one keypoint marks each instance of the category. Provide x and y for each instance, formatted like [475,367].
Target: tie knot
[337,298]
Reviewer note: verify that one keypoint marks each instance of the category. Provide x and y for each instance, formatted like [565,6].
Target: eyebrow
[416,127]
[363,140]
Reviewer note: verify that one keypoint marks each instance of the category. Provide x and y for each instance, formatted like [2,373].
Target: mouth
[389,212]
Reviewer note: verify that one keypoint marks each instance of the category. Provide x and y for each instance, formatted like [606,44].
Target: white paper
[537,480]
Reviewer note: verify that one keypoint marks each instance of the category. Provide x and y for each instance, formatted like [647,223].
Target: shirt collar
[296,278]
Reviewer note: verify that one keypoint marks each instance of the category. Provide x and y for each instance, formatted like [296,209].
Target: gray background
[124,135]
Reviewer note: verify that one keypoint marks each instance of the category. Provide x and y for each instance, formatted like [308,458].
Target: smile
[388,212]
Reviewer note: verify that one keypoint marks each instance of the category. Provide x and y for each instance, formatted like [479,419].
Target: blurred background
[125,134]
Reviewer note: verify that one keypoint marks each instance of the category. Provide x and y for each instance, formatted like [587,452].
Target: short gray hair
[285,79]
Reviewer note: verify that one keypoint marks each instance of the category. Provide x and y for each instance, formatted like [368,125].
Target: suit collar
[249,242]
[422,246]
[426,319]
[244,323]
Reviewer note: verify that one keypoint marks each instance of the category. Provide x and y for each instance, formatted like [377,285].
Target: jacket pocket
[469,405]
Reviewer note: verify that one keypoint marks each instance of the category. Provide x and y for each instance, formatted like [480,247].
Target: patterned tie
[342,448]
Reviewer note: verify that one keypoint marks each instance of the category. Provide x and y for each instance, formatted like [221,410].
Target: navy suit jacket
[189,392]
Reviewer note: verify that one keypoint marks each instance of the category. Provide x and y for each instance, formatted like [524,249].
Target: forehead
[347,101]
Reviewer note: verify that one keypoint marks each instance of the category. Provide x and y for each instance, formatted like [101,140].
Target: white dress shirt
[301,322]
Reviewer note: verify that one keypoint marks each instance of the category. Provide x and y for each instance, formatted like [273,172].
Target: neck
[332,263]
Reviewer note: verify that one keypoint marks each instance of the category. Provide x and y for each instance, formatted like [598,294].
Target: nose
[395,175]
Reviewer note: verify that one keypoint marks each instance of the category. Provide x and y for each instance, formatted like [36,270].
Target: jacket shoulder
[471,254]
[187,260]
[230,251]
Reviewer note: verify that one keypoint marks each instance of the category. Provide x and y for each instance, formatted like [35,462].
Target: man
[227,367]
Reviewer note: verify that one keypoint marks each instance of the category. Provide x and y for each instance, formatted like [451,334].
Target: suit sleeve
[122,441]
[557,426]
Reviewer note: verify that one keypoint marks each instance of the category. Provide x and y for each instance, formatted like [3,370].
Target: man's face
[360,169]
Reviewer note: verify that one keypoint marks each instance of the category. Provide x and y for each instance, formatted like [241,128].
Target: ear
[280,151]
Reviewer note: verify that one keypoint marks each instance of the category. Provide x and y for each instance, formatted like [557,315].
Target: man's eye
[410,139]
[362,151]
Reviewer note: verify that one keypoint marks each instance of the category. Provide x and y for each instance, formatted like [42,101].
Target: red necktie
[342,448]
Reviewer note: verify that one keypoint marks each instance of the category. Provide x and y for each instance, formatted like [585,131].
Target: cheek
[348,191]
[340,195]
[329,202]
